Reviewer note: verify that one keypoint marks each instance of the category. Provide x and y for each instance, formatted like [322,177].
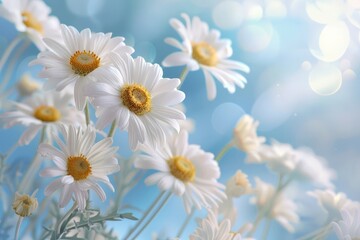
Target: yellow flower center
[47,113]
[78,167]
[24,205]
[182,168]
[136,98]
[31,22]
[204,53]
[84,62]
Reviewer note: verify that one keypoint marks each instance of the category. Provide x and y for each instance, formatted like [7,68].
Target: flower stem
[145,215]
[65,218]
[267,229]
[153,215]
[9,49]
[112,129]
[17,230]
[185,223]
[87,113]
[183,75]
[223,151]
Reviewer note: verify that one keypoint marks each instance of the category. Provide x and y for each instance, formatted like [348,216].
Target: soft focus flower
[210,229]
[283,210]
[185,169]
[245,137]
[24,205]
[32,17]
[45,109]
[138,98]
[27,85]
[76,57]
[185,124]
[331,202]
[80,164]
[349,227]
[203,48]
[238,185]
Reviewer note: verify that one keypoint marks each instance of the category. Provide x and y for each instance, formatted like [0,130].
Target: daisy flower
[210,229]
[186,170]
[75,57]
[24,205]
[138,98]
[31,17]
[349,227]
[203,48]
[44,109]
[80,164]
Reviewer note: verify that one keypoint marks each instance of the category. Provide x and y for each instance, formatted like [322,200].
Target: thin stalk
[223,151]
[87,113]
[267,229]
[153,215]
[112,129]
[145,215]
[317,233]
[185,223]
[64,218]
[32,170]
[9,49]
[183,75]
[17,230]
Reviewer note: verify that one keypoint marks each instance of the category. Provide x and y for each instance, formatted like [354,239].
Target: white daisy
[75,57]
[349,227]
[283,210]
[31,17]
[44,109]
[245,136]
[27,85]
[184,169]
[80,164]
[24,205]
[210,229]
[203,48]
[238,185]
[138,98]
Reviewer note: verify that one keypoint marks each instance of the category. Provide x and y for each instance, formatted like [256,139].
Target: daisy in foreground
[349,227]
[136,96]
[80,164]
[31,17]
[45,110]
[185,170]
[75,57]
[203,48]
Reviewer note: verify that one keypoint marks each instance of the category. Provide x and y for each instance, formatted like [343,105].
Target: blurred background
[303,87]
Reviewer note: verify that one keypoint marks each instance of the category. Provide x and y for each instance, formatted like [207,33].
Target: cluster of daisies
[84,69]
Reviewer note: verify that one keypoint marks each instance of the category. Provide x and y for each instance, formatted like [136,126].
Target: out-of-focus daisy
[210,229]
[184,169]
[31,17]
[80,164]
[348,228]
[24,205]
[203,48]
[283,210]
[27,85]
[138,98]
[331,202]
[245,136]
[76,57]
[45,109]
[186,124]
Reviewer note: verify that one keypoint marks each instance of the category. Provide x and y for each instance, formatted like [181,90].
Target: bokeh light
[325,79]
[255,37]
[225,117]
[228,14]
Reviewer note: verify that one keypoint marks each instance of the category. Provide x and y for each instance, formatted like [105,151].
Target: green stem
[112,129]
[183,75]
[87,113]
[223,151]
[64,218]
[17,230]
[33,169]
[145,215]
[185,223]
[267,229]
[153,215]
[8,50]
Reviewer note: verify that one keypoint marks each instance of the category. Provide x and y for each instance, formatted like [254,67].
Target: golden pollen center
[31,22]
[47,114]
[78,167]
[182,168]
[136,98]
[84,62]
[204,53]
